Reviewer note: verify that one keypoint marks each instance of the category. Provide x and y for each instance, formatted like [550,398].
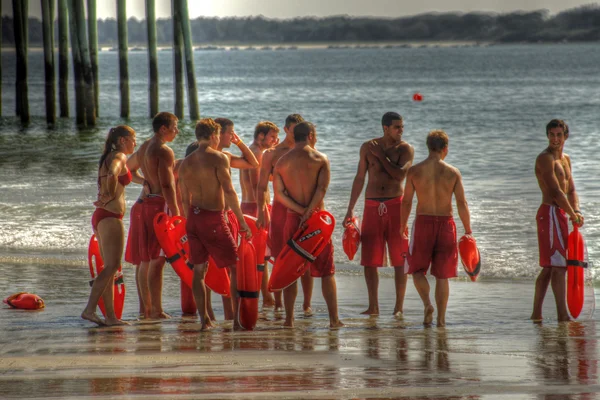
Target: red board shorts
[233,224]
[381,225]
[323,266]
[276,229]
[209,235]
[553,236]
[149,247]
[249,209]
[100,214]
[433,241]
[132,250]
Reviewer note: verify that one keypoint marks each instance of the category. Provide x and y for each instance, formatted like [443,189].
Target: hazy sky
[294,8]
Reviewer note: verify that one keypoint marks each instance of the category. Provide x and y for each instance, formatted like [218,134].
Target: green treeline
[578,24]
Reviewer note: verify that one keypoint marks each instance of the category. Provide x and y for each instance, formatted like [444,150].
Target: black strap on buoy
[300,251]
[248,295]
[577,263]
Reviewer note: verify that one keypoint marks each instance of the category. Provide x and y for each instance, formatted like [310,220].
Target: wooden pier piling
[63,58]
[152,57]
[123,65]
[20,22]
[48,38]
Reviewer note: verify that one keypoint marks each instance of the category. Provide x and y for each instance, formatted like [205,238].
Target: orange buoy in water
[351,238]
[417,97]
[301,250]
[96,265]
[25,301]
[469,256]
[248,285]
[576,265]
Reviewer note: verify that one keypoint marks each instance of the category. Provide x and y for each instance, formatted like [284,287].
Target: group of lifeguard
[200,188]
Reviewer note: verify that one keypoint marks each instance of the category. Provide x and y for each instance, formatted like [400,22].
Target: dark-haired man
[206,191]
[302,195]
[433,236]
[266,135]
[386,160]
[156,161]
[559,199]
[275,220]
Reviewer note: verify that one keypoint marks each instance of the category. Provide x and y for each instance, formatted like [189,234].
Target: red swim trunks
[249,209]
[233,224]
[381,225]
[100,214]
[276,229]
[433,241]
[209,235]
[132,250]
[323,266]
[149,247]
[553,235]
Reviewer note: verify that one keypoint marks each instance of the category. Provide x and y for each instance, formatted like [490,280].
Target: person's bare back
[434,182]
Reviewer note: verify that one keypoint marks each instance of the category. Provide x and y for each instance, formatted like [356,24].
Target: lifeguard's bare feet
[93,317]
[428,315]
[371,311]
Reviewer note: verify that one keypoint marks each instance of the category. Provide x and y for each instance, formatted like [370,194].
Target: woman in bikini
[113,176]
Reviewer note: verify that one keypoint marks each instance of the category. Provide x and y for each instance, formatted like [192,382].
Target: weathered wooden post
[189,60]
[48,38]
[177,59]
[63,58]
[123,67]
[0,58]
[77,67]
[93,41]
[88,86]
[20,21]
[152,57]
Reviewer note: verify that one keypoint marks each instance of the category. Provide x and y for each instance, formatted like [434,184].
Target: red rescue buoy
[259,241]
[302,249]
[248,285]
[96,265]
[351,238]
[417,97]
[469,256]
[25,301]
[576,265]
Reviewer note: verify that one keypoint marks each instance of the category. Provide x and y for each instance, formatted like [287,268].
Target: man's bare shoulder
[544,156]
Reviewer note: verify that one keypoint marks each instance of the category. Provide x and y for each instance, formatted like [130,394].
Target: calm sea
[493,101]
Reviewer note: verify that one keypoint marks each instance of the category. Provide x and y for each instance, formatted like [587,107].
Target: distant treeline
[578,24]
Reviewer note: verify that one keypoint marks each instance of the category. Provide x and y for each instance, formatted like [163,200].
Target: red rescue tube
[576,265]
[96,265]
[302,249]
[351,238]
[172,237]
[248,285]
[25,301]
[259,241]
[470,256]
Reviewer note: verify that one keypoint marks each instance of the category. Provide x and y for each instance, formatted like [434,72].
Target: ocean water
[494,103]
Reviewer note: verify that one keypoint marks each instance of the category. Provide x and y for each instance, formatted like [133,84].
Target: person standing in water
[559,200]
[107,221]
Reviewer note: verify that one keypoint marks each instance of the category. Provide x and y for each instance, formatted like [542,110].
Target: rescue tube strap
[248,295]
[190,265]
[577,263]
[174,258]
[300,251]
[260,267]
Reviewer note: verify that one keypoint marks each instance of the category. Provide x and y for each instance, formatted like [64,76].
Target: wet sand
[489,350]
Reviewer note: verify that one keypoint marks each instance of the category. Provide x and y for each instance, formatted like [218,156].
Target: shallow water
[489,349]
[493,101]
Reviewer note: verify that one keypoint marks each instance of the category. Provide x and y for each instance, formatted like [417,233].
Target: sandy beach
[489,350]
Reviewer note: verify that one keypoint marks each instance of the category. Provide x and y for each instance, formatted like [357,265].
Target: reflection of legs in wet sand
[307,289]
[400,278]
[422,286]
[556,277]
[110,237]
[200,295]
[372,280]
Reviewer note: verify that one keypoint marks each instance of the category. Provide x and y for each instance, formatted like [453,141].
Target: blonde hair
[437,140]
[207,127]
[264,127]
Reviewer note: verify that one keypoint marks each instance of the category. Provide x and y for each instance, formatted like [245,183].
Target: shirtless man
[206,191]
[275,220]
[559,199]
[386,159]
[302,195]
[266,136]
[246,161]
[433,236]
[156,161]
